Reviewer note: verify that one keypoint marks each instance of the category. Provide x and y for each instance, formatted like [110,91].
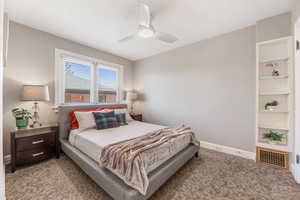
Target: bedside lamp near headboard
[35,93]
[131,96]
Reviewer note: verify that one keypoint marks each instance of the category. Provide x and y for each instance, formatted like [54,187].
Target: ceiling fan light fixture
[146,32]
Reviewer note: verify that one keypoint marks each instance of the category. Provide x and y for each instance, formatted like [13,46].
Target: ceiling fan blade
[130,37]
[165,37]
[145,15]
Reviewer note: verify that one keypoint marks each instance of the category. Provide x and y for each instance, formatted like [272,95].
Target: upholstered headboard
[64,120]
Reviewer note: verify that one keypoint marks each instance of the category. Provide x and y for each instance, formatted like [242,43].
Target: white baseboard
[7,159]
[292,169]
[228,150]
[212,146]
[296,174]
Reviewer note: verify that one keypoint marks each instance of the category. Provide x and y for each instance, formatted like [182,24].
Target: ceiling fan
[146,30]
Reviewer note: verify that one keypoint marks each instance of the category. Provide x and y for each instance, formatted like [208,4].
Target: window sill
[55,108]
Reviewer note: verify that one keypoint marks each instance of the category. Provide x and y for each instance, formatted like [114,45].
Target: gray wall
[31,61]
[274,27]
[209,85]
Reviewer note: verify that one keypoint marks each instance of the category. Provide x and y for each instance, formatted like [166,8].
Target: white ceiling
[101,23]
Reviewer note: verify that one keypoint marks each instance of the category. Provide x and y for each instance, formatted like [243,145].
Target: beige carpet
[215,176]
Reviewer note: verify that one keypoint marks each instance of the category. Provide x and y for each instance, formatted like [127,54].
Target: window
[107,85]
[81,79]
[77,82]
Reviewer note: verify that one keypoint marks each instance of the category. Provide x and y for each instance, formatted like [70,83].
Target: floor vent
[272,158]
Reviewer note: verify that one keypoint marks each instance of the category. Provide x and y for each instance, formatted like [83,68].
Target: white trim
[228,150]
[296,150]
[5,38]
[61,55]
[294,173]
[2,63]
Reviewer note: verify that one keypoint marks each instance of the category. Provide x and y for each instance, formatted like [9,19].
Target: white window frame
[62,55]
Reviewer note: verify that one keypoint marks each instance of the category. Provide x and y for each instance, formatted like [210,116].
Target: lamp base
[36,116]
[36,124]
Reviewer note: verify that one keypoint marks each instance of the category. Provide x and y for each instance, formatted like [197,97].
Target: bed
[75,146]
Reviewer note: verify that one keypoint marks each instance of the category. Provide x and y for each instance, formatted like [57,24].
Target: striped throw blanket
[125,158]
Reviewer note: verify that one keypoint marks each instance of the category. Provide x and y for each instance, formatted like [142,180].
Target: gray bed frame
[112,184]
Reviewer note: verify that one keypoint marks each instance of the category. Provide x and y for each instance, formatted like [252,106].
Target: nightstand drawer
[34,142]
[32,156]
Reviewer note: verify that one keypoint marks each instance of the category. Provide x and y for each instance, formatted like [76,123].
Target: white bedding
[91,141]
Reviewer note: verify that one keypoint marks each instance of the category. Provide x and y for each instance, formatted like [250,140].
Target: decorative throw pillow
[121,110]
[86,119]
[121,119]
[105,120]
[117,109]
[74,121]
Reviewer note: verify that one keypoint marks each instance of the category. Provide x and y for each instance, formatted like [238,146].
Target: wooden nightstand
[137,117]
[33,145]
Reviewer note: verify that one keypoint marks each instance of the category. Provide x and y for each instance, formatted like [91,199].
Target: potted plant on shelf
[275,72]
[273,137]
[271,105]
[22,117]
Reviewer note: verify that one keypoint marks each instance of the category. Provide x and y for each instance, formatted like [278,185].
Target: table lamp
[35,93]
[131,96]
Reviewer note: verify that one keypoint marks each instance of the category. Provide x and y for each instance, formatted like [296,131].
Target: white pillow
[86,120]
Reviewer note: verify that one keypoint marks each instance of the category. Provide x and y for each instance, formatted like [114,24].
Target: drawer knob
[38,141]
[37,154]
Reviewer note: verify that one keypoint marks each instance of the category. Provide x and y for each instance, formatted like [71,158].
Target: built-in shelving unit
[274,94]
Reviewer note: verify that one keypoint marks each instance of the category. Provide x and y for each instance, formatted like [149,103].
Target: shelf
[274,111]
[274,147]
[274,60]
[273,77]
[274,93]
[272,126]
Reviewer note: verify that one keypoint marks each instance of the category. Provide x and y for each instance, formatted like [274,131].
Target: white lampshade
[35,93]
[131,96]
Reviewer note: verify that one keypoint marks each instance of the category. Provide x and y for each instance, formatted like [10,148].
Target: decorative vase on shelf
[275,73]
[271,108]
